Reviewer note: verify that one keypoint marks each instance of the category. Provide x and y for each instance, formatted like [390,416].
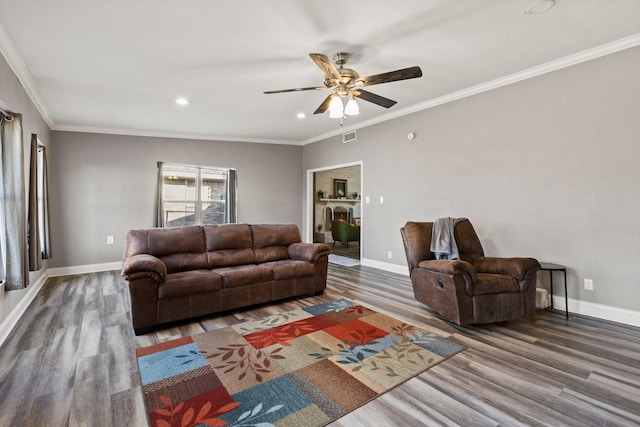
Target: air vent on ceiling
[348,137]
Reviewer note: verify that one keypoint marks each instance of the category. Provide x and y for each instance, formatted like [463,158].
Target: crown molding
[175,135]
[17,64]
[538,70]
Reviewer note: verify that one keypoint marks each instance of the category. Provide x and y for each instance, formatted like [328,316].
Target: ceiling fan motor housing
[341,58]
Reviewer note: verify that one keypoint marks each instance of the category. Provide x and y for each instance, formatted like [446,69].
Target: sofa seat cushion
[488,283]
[242,275]
[189,283]
[290,268]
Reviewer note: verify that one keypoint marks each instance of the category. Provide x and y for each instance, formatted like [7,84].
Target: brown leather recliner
[473,289]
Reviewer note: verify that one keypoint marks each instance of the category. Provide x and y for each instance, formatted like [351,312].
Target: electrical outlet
[109,240]
[381,200]
[389,254]
[588,284]
[366,199]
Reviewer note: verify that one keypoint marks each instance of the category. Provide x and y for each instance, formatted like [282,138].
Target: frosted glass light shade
[335,108]
[352,109]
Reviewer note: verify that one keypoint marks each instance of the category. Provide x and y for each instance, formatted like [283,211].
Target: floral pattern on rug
[305,367]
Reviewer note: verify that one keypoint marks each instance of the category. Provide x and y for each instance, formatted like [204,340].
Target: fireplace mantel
[339,200]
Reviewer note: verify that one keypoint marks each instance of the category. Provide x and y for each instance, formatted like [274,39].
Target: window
[195,195]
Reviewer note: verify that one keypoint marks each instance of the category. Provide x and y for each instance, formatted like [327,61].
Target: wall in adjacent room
[548,167]
[106,184]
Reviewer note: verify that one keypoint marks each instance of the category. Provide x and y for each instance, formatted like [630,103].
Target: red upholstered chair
[473,289]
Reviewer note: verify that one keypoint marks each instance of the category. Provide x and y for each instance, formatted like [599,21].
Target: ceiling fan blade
[376,99]
[325,104]
[298,89]
[329,70]
[391,76]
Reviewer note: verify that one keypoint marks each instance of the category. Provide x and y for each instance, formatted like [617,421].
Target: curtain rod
[7,114]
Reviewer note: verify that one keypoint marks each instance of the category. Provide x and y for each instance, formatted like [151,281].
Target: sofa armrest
[452,267]
[144,265]
[517,268]
[311,252]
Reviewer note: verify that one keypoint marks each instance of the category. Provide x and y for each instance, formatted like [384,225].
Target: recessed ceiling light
[301,115]
[182,101]
[540,7]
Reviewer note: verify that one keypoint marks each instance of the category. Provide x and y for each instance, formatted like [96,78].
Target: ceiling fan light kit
[351,109]
[346,83]
[335,108]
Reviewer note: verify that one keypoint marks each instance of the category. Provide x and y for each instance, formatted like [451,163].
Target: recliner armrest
[311,252]
[514,267]
[144,265]
[452,267]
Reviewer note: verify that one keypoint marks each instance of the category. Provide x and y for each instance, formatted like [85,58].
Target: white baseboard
[83,269]
[386,266]
[600,311]
[16,313]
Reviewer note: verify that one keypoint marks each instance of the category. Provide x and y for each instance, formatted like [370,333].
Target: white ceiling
[116,66]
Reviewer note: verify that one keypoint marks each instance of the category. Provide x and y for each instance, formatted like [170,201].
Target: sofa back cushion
[270,241]
[180,248]
[228,245]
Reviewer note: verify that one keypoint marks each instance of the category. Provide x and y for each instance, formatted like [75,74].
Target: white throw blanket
[443,242]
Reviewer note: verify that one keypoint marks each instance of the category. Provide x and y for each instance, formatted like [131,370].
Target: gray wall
[106,184]
[549,168]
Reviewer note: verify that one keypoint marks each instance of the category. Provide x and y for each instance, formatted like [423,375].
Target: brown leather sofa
[474,288]
[184,272]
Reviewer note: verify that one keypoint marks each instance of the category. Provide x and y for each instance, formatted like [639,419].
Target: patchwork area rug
[343,260]
[301,368]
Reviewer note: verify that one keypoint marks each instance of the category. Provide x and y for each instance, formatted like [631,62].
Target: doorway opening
[336,196]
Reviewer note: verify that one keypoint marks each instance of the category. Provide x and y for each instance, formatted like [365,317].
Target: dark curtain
[159,198]
[45,222]
[33,231]
[38,231]
[232,199]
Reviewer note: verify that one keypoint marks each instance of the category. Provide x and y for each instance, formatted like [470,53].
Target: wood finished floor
[351,251]
[71,361]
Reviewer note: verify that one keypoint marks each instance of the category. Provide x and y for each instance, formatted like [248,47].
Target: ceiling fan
[347,83]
